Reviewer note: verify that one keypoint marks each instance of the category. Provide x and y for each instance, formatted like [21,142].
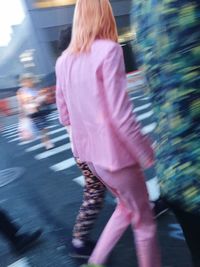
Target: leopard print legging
[93,198]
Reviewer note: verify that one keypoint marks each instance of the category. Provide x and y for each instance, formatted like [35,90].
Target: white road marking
[154,145]
[18,139]
[142,107]
[52,119]
[9,127]
[135,84]
[10,131]
[145,98]
[54,140]
[28,142]
[136,97]
[153,188]
[53,152]
[145,115]
[50,133]
[53,114]
[11,135]
[37,138]
[149,128]
[20,263]
[134,74]
[63,165]
[80,180]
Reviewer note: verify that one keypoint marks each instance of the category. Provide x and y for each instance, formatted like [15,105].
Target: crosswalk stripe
[53,115]
[14,126]
[9,127]
[149,128]
[140,108]
[54,140]
[20,263]
[53,152]
[50,133]
[60,129]
[136,97]
[11,135]
[10,131]
[37,138]
[18,139]
[135,83]
[145,115]
[53,119]
[145,98]
[28,142]
[153,188]
[80,180]
[63,165]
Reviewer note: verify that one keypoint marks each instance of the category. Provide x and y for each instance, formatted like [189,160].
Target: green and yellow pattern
[168,49]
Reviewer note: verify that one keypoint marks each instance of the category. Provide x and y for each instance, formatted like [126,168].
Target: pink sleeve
[120,109]
[60,101]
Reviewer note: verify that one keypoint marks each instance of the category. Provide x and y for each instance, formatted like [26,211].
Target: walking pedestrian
[20,242]
[4,111]
[1,116]
[93,102]
[93,194]
[31,102]
[168,48]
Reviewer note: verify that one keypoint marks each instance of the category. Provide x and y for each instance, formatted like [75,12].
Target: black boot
[159,207]
[19,242]
[24,242]
[7,227]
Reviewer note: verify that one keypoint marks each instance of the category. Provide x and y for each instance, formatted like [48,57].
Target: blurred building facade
[34,44]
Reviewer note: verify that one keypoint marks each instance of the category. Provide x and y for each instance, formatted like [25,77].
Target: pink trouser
[128,185]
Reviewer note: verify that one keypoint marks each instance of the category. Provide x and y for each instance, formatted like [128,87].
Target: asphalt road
[48,194]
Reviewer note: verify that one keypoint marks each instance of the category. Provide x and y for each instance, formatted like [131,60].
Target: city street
[48,190]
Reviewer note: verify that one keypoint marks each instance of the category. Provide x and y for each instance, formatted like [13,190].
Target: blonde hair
[93,19]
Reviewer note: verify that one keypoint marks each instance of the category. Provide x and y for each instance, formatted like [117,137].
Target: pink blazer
[92,98]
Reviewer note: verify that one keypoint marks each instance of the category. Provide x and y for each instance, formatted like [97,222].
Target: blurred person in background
[1,117]
[32,105]
[20,242]
[93,103]
[168,49]
[4,111]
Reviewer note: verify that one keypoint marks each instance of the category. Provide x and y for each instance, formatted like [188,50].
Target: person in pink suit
[93,103]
